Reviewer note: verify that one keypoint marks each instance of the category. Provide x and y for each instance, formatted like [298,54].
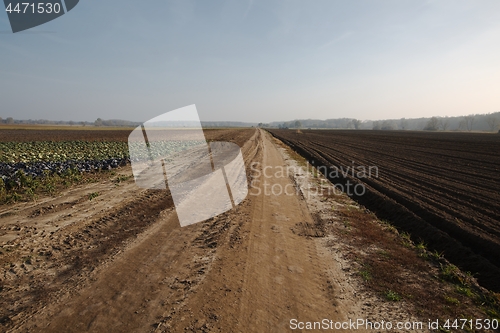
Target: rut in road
[269,275]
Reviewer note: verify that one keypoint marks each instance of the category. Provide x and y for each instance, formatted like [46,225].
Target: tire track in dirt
[284,277]
[263,275]
[64,259]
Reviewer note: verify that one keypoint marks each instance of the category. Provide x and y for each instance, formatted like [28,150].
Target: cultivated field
[442,188]
[84,249]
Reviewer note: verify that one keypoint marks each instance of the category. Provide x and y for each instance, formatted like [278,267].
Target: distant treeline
[98,122]
[474,122]
[118,123]
[227,124]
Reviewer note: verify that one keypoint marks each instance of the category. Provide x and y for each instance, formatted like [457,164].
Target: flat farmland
[84,249]
[441,188]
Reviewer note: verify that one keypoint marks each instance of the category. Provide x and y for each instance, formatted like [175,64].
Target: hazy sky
[255,60]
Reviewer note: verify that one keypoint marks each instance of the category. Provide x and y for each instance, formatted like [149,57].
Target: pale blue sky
[255,60]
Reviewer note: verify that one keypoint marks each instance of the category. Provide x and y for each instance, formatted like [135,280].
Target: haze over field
[255,61]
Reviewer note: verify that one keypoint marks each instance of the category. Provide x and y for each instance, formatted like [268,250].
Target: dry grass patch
[393,266]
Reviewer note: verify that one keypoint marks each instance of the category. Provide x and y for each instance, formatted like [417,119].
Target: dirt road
[243,271]
[263,275]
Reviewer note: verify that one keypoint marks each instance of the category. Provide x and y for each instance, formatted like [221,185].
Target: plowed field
[442,188]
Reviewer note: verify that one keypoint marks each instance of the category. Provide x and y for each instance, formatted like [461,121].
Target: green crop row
[49,151]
